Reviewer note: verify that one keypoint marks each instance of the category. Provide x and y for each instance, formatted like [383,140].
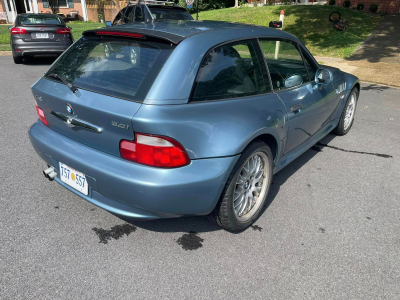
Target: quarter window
[230,71]
[284,61]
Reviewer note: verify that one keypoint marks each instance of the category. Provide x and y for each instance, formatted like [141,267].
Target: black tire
[224,214]
[341,128]
[334,16]
[17,59]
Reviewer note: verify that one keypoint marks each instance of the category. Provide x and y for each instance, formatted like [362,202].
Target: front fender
[343,83]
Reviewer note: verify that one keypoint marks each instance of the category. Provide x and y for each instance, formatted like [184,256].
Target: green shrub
[347,3]
[373,8]
[332,2]
[360,6]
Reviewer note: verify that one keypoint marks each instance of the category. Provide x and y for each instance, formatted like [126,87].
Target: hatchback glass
[117,67]
[39,20]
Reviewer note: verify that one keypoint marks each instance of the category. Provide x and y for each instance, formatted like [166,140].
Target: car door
[292,74]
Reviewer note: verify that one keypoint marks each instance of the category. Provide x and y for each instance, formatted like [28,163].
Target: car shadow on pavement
[39,61]
[202,224]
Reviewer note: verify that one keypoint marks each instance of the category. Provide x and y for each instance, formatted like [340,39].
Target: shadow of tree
[384,45]
[326,41]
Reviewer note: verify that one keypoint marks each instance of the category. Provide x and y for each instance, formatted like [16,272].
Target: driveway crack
[353,151]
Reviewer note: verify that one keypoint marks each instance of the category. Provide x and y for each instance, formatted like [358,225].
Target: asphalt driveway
[331,229]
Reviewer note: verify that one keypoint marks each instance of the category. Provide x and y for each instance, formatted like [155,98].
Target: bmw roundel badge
[69,109]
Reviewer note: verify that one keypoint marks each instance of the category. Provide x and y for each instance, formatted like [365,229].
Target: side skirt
[299,150]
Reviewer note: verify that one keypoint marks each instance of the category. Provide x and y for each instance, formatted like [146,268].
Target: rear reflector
[64,31]
[17,30]
[154,151]
[41,115]
[119,33]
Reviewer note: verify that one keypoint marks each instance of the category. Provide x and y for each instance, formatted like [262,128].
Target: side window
[312,69]
[230,71]
[284,61]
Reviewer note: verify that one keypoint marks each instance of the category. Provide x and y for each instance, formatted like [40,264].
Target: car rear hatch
[41,28]
[91,93]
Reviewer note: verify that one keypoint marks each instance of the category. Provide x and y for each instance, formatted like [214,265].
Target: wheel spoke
[239,200]
[238,196]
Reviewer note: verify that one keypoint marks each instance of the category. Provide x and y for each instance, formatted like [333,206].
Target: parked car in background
[184,118]
[146,11]
[39,34]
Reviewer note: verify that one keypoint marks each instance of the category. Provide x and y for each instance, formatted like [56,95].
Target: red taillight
[154,151]
[119,33]
[64,31]
[41,115]
[17,30]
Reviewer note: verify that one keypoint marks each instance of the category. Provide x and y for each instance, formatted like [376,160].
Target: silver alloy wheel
[251,186]
[348,118]
[133,56]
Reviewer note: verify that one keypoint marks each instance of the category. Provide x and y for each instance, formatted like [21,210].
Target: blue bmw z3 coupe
[183,118]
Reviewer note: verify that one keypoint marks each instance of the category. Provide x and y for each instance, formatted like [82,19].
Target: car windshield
[122,68]
[169,14]
[39,20]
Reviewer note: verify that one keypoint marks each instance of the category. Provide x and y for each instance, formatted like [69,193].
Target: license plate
[42,35]
[74,179]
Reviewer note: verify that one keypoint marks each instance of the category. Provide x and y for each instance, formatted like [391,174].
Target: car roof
[178,30]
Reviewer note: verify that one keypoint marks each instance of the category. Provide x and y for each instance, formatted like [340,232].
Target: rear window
[170,14]
[122,68]
[40,20]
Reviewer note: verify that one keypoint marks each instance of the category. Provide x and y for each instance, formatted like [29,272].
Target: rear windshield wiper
[73,88]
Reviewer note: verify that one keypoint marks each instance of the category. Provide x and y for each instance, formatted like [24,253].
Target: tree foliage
[54,6]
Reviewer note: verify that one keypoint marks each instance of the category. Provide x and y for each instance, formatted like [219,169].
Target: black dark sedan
[39,34]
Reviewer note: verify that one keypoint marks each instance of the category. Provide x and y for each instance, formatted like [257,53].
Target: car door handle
[296,108]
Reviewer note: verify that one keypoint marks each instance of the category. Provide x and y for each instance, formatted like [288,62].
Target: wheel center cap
[246,185]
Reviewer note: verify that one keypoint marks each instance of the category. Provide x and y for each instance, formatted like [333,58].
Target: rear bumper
[133,190]
[37,49]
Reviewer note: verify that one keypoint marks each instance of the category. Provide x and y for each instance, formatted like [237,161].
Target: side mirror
[108,23]
[293,80]
[323,76]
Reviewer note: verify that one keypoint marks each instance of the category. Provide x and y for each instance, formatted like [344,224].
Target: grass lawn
[77,29]
[309,23]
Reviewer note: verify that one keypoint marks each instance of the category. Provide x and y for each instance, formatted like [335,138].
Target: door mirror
[323,76]
[293,80]
[108,23]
